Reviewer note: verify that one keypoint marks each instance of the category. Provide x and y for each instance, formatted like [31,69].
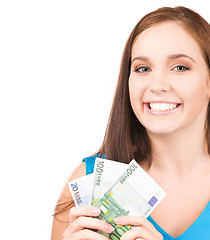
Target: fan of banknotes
[118,189]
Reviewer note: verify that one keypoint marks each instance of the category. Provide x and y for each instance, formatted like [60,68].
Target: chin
[160,131]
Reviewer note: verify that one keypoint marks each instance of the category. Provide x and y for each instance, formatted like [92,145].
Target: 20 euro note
[81,190]
[135,193]
[106,172]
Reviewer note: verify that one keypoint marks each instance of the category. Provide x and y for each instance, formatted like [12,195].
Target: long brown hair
[125,137]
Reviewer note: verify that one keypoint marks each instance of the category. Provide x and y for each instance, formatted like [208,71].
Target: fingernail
[95,211]
[109,228]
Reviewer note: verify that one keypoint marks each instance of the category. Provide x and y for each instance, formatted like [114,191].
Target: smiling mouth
[162,107]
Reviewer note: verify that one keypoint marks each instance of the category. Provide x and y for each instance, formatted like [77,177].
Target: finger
[90,223]
[138,233]
[76,212]
[135,221]
[86,234]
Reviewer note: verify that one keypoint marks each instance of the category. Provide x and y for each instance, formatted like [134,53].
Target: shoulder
[78,172]
[85,168]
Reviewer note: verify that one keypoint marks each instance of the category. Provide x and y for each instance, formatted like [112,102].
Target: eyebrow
[181,55]
[170,57]
[140,58]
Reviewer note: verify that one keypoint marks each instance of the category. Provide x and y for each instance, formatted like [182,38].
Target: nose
[159,83]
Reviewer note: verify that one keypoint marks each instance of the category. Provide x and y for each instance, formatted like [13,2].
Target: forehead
[166,38]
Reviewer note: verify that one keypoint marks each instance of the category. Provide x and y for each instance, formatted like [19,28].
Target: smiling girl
[160,117]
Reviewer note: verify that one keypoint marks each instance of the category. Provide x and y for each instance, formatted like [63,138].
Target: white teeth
[162,106]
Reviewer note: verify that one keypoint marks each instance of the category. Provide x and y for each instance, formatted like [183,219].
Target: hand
[144,229]
[82,225]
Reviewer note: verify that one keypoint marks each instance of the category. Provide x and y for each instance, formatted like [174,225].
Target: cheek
[196,90]
[196,96]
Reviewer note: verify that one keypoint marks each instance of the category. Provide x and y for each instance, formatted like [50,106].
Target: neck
[178,153]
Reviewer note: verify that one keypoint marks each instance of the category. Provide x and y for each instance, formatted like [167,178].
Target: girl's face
[169,79]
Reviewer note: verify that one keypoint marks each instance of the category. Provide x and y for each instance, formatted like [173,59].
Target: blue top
[199,230]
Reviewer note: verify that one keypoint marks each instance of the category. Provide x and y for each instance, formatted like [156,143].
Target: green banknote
[135,193]
[110,209]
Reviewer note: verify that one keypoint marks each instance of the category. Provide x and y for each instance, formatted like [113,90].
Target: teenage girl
[160,117]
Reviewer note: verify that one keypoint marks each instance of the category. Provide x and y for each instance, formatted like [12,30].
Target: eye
[142,69]
[181,68]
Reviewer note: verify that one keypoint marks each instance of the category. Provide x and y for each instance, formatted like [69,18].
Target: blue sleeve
[90,163]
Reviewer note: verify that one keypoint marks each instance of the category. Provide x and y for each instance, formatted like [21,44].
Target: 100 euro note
[135,193]
[106,172]
[81,190]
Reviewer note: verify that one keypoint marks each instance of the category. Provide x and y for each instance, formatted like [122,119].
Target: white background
[59,62]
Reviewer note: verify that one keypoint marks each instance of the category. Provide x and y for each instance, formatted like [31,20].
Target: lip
[146,107]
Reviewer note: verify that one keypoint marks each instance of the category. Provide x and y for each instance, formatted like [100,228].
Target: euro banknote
[81,190]
[134,193]
[118,190]
[105,173]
